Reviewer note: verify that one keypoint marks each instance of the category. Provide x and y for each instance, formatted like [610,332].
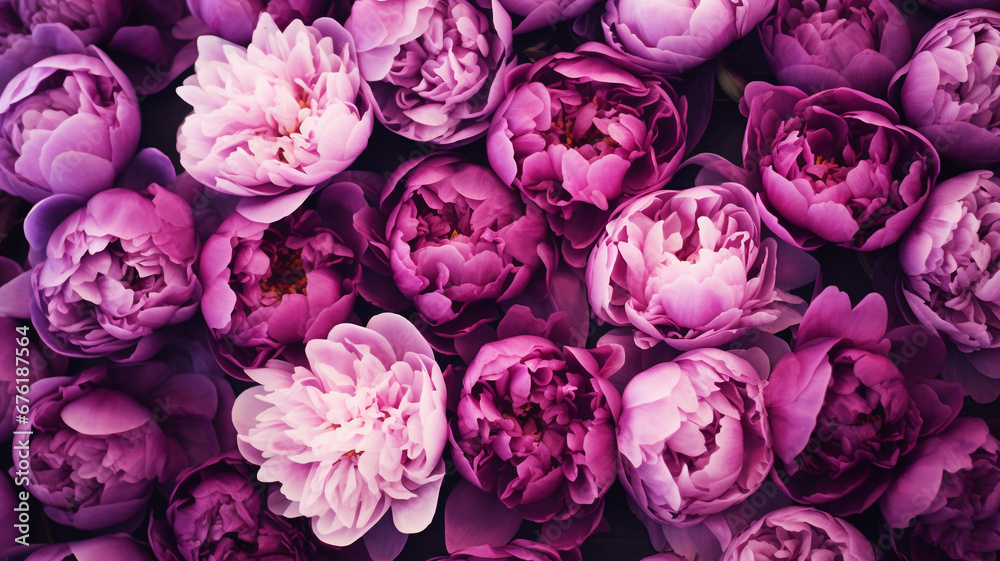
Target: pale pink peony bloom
[358,432]
[280,116]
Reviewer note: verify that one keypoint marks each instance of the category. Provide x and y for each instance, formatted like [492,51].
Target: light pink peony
[282,115]
[689,268]
[358,432]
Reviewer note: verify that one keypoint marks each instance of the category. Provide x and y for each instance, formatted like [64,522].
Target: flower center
[568,124]
[288,275]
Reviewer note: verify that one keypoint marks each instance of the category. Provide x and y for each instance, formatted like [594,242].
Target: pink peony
[687,267]
[359,431]
[282,115]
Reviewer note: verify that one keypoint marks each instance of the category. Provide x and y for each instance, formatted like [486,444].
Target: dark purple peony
[800,533]
[268,286]
[535,425]
[118,268]
[218,512]
[693,436]
[946,495]
[949,89]
[841,411]
[949,259]
[835,166]
[458,241]
[579,134]
[68,124]
[816,45]
[436,68]
[102,439]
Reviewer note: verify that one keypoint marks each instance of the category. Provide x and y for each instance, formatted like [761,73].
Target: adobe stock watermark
[22,436]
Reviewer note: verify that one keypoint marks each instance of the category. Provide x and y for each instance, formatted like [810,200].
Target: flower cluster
[471,280]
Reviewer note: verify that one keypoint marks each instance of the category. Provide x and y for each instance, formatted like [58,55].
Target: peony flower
[686,267]
[235,20]
[835,166]
[535,425]
[111,547]
[438,75]
[821,44]
[282,116]
[102,438]
[358,432]
[674,36]
[693,437]
[579,134]
[284,283]
[947,90]
[218,512]
[458,242]
[93,21]
[951,279]
[841,411]
[68,124]
[522,550]
[800,533]
[947,495]
[117,269]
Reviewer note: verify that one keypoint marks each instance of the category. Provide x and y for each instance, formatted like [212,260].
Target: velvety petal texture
[218,512]
[355,437]
[674,36]
[841,411]
[835,166]
[800,533]
[438,75]
[103,437]
[686,267]
[284,114]
[117,270]
[268,286]
[946,496]
[816,45]
[68,125]
[459,243]
[950,259]
[949,89]
[20,50]
[111,547]
[693,437]
[535,425]
[579,134]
